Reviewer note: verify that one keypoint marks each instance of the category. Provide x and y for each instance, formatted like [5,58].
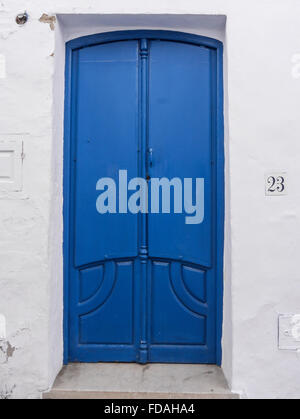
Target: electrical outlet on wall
[289,332]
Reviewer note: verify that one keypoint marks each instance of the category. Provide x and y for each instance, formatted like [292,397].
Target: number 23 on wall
[276,184]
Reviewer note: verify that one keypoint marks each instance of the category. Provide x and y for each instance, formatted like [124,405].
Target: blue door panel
[180,139]
[168,326]
[143,287]
[104,318]
[195,281]
[106,321]
[90,280]
[183,354]
[106,142]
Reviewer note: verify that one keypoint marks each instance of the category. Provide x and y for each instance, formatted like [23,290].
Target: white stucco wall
[262,101]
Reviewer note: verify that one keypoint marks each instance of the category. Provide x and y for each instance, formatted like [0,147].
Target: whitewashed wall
[262,92]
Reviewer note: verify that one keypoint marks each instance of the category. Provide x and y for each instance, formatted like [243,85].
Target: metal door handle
[150,157]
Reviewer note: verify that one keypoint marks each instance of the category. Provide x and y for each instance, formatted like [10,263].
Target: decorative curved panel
[102,319]
[181,292]
[90,282]
[195,282]
[177,318]
[103,293]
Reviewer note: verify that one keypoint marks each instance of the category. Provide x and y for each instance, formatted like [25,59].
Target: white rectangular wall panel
[11,160]
[289,332]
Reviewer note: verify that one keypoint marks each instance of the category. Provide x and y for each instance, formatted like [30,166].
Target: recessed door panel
[103,320]
[180,309]
[106,135]
[180,122]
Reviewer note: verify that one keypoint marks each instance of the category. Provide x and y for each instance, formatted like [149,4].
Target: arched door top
[105,37]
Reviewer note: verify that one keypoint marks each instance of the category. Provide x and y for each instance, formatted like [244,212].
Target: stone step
[134,381]
[60,394]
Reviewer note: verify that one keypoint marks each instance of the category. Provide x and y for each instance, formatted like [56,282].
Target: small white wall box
[2,327]
[11,161]
[289,332]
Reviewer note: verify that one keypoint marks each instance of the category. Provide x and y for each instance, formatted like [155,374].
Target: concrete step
[134,381]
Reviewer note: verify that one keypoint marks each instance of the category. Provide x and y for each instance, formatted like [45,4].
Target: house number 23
[276,184]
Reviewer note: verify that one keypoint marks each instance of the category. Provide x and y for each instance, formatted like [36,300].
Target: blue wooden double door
[142,283]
